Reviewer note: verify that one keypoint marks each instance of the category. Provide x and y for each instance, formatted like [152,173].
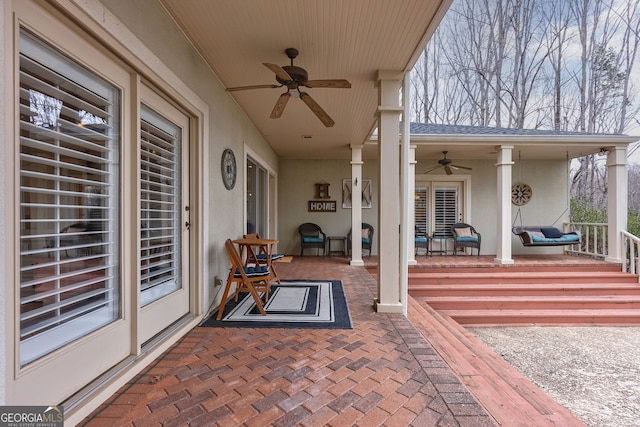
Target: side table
[443,243]
[343,247]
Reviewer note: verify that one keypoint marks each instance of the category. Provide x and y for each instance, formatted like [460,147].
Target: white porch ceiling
[336,39]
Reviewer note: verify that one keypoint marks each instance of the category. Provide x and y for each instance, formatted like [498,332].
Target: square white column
[389,110]
[504,166]
[616,201]
[356,205]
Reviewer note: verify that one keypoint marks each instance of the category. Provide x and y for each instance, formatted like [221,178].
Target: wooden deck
[535,290]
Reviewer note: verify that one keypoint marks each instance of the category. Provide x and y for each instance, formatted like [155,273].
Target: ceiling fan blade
[278,109]
[280,72]
[336,83]
[317,110]
[448,170]
[233,89]
[432,169]
[461,167]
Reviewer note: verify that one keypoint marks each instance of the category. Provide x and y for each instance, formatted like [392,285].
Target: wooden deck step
[609,317]
[507,395]
[597,267]
[548,296]
[533,289]
[521,277]
[530,302]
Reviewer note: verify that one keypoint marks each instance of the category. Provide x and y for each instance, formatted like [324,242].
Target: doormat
[292,304]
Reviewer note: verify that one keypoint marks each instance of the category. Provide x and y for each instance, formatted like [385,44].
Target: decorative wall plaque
[347,189]
[521,194]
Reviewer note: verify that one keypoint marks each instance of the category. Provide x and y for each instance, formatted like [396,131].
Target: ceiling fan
[293,78]
[446,164]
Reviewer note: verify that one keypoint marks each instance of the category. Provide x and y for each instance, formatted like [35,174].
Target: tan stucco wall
[223,210]
[296,186]
[549,205]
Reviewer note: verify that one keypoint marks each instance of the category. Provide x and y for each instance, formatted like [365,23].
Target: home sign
[322,205]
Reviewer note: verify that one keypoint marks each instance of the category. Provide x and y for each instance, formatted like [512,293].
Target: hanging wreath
[521,194]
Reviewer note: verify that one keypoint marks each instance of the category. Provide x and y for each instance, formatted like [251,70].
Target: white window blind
[160,206]
[422,210]
[445,210]
[69,141]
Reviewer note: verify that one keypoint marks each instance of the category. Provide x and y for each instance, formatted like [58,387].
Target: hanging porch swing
[521,193]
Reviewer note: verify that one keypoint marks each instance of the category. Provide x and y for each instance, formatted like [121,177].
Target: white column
[389,282]
[411,207]
[406,237]
[356,205]
[616,201]
[504,167]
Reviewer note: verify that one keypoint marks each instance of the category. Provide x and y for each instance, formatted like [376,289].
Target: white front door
[164,215]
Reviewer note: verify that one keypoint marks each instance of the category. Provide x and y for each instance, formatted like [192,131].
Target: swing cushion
[540,236]
[567,238]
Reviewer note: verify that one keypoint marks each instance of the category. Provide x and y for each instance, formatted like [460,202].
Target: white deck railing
[631,251]
[595,244]
[594,238]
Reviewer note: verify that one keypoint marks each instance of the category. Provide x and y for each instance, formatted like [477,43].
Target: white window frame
[431,181]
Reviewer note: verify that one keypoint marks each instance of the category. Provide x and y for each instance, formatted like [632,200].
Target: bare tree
[634,187]
[513,63]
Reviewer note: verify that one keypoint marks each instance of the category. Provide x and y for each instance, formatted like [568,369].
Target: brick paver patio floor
[381,372]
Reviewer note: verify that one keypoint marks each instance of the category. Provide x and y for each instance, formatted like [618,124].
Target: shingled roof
[439,129]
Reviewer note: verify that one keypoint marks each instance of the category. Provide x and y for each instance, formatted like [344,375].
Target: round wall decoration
[229,169]
[521,194]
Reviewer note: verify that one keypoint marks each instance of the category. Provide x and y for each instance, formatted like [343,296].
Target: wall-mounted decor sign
[229,169]
[322,190]
[521,194]
[322,205]
[347,189]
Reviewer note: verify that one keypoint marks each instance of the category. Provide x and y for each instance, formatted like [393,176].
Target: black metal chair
[311,236]
[366,235]
[421,240]
[465,236]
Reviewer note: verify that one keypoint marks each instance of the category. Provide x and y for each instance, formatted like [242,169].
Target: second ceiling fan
[294,77]
[447,165]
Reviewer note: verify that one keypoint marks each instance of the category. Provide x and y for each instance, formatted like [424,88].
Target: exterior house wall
[229,127]
[296,186]
[549,204]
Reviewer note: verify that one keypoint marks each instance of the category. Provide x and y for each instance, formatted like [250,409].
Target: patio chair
[367,238]
[421,240]
[465,236]
[311,236]
[251,279]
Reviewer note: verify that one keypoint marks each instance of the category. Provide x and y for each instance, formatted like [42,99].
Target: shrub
[585,210]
